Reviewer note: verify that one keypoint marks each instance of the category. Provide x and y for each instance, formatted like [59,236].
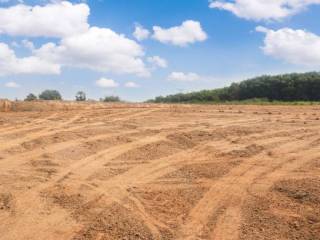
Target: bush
[110,99]
[81,96]
[31,97]
[50,95]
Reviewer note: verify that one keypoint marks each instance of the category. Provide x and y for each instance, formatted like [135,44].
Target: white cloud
[12,85]
[293,46]
[131,85]
[140,33]
[98,49]
[79,45]
[11,64]
[106,83]
[58,19]
[263,9]
[28,44]
[183,77]
[157,61]
[189,32]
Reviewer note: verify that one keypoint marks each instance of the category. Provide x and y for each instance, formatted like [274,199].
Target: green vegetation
[31,97]
[298,88]
[81,96]
[50,95]
[110,99]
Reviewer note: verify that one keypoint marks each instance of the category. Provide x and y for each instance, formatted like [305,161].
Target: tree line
[55,95]
[286,87]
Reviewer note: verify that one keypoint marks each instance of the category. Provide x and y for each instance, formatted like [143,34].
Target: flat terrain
[161,172]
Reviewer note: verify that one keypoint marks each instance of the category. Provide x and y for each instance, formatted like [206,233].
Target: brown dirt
[290,211]
[99,171]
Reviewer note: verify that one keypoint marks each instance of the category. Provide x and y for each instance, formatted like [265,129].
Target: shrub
[31,97]
[81,96]
[50,95]
[110,99]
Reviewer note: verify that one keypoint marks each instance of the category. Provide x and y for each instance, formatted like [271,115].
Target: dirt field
[161,172]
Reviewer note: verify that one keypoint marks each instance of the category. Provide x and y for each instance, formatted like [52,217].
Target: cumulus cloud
[79,45]
[106,83]
[131,85]
[183,77]
[58,19]
[263,9]
[98,49]
[12,85]
[157,61]
[11,64]
[293,46]
[189,32]
[140,33]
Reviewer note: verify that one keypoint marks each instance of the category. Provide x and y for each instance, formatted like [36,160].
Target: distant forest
[287,87]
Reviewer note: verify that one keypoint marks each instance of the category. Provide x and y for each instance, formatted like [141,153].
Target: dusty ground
[161,172]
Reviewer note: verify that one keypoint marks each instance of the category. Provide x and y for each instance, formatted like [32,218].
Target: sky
[139,49]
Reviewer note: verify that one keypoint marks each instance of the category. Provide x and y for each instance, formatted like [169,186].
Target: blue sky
[220,42]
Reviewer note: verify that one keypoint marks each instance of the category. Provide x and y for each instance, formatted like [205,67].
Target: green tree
[31,97]
[81,96]
[286,87]
[50,95]
[110,99]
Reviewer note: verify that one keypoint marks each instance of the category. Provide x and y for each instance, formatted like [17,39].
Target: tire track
[231,190]
[32,203]
[15,129]
[81,169]
[41,133]
[62,126]
[219,137]
[12,162]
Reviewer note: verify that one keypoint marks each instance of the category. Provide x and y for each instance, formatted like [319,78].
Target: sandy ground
[161,172]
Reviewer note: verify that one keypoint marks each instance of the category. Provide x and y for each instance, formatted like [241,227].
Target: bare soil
[93,172]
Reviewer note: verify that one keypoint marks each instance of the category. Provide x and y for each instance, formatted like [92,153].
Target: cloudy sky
[139,49]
